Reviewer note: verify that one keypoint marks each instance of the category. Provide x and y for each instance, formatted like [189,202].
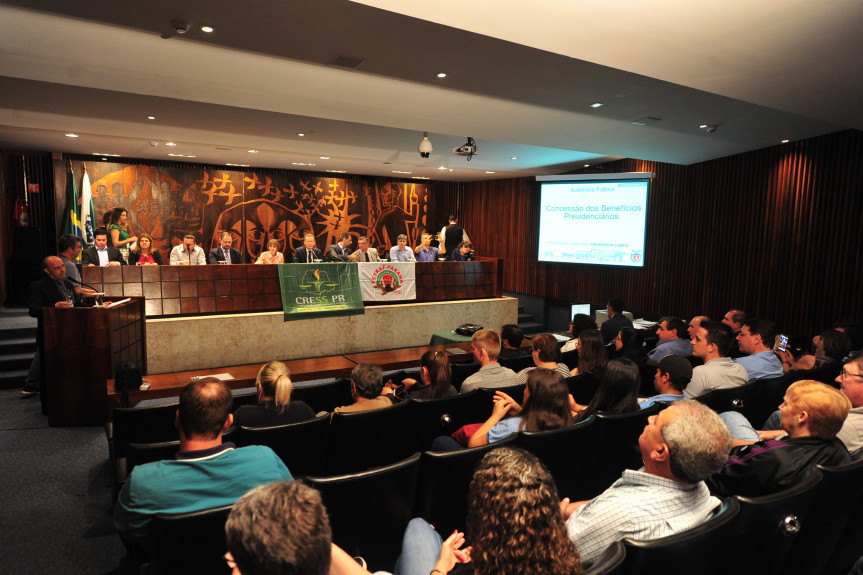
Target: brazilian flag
[72,214]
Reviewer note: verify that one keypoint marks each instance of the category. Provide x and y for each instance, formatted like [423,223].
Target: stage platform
[203,342]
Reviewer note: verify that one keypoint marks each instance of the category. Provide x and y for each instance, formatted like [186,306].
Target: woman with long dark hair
[274,405]
[546,406]
[617,393]
[629,344]
[592,357]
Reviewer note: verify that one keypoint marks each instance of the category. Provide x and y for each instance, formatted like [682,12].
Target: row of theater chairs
[813,528]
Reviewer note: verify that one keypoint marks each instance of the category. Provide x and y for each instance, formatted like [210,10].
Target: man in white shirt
[711,343]
[187,253]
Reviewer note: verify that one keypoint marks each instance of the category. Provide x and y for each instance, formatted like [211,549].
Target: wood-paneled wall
[777,232]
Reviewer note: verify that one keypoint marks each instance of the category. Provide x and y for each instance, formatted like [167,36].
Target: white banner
[388,281]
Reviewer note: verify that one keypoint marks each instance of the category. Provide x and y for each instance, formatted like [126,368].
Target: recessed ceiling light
[253,151]
[239,165]
[180,156]
[337,171]
[587,165]
[301,134]
[151,117]
[71,135]
[441,74]
[785,141]
[702,126]
[170,144]
[442,168]
[112,155]
[420,178]
[302,164]
[514,158]
[325,157]
[401,172]
[597,105]
[489,172]
[206,29]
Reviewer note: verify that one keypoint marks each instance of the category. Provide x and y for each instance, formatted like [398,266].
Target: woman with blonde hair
[143,254]
[272,255]
[274,405]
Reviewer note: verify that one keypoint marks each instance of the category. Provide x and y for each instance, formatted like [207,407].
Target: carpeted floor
[56,494]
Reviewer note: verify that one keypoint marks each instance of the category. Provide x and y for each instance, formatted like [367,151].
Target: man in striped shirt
[681,446]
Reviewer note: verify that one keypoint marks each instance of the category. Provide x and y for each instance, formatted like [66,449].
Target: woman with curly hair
[514,525]
[591,353]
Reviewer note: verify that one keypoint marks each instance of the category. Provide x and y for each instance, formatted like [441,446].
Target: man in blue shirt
[672,339]
[756,340]
[401,252]
[673,374]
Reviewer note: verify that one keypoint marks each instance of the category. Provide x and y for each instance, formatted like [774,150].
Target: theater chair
[610,562]
[369,511]
[462,371]
[189,543]
[367,439]
[301,446]
[582,387]
[429,418]
[517,363]
[485,399]
[324,396]
[562,451]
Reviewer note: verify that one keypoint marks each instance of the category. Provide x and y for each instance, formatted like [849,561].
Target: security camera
[425,148]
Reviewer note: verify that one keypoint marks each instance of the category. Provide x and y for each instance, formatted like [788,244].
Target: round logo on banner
[387,279]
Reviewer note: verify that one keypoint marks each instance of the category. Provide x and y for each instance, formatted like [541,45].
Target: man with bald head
[695,324]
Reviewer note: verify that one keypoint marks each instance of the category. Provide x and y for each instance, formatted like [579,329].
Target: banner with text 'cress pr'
[320,290]
[388,281]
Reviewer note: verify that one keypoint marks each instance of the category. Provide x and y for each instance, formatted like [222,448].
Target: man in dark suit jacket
[217,254]
[341,251]
[54,290]
[308,253]
[90,256]
[615,322]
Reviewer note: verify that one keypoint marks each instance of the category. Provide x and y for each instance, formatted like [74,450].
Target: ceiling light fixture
[337,171]
[238,165]
[702,126]
[325,157]
[151,117]
[206,29]
[253,151]
[70,135]
[441,74]
[487,172]
[442,168]
[514,158]
[112,155]
[420,178]
[301,134]
[425,148]
[401,172]
[170,144]
[597,105]
[180,26]
[785,141]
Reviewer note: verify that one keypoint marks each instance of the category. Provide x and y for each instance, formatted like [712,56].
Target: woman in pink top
[272,255]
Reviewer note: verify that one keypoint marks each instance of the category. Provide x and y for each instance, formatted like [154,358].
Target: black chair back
[613,448]
[704,549]
[137,425]
[768,396]
[835,514]
[367,439]
[646,386]
[517,363]
[583,386]
[485,399]
[562,451]
[301,446]
[462,371]
[429,418]
[244,399]
[740,399]
[324,396]
[189,543]
[445,482]
[369,511]
[140,453]
[774,521]
[610,562]
[826,373]
[570,358]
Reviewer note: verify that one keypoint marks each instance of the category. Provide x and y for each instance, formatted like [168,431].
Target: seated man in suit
[100,254]
[224,253]
[187,253]
[681,447]
[367,390]
[206,472]
[364,253]
[341,250]
[308,253]
[616,320]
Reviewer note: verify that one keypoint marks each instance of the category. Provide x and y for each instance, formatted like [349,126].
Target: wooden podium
[83,346]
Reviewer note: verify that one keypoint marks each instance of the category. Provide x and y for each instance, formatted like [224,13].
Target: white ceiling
[521,76]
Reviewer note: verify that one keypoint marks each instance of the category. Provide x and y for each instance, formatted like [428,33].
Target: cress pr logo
[315,283]
[387,279]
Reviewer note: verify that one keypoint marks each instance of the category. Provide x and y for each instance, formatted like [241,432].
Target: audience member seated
[592,357]
[425,252]
[308,253]
[274,400]
[546,406]
[831,346]
[712,343]
[513,524]
[272,255]
[435,376]
[853,328]
[367,390]
[401,252]
[681,447]
[546,353]
[695,324]
[223,253]
[734,319]
[143,254]
[512,338]
[341,251]
[756,339]
[797,356]
[462,253]
[629,344]
[812,414]
[617,392]
[100,254]
[673,338]
[615,322]
[187,253]
[673,374]
[206,473]
[579,323]
[485,345]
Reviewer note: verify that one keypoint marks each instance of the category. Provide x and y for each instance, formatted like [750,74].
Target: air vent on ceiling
[646,121]
[346,62]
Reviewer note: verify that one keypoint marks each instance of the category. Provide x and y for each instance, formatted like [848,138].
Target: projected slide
[593,222]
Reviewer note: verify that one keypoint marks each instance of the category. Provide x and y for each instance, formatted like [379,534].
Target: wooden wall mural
[255,206]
